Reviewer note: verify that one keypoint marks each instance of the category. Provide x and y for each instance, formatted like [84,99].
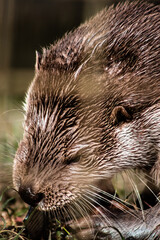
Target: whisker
[12,110]
[62,214]
[147,186]
[90,200]
[121,208]
[70,216]
[83,212]
[86,204]
[72,210]
[65,214]
[121,201]
[92,206]
[148,177]
[87,215]
[135,188]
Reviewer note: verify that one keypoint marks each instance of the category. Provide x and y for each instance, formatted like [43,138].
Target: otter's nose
[29,197]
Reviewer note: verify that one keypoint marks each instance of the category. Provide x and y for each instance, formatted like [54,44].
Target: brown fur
[93,108]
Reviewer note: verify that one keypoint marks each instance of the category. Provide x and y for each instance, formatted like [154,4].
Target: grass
[11,217]
[12,211]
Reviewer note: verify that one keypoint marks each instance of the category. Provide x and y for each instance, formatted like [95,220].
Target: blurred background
[26,26]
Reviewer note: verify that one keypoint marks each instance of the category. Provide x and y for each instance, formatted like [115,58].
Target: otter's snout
[29,197]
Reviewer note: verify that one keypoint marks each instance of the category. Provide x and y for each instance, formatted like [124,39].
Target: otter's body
[93,109]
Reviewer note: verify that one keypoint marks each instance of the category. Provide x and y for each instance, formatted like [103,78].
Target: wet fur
[93,108]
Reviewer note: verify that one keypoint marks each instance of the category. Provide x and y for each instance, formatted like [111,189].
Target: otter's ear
[38,61]
[119,114]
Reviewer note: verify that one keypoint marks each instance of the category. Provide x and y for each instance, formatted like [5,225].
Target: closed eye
[73,159]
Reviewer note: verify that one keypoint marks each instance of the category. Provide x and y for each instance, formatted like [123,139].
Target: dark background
[28,25]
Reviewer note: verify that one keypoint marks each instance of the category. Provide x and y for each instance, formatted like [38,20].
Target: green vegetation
[12,211]
[11,217]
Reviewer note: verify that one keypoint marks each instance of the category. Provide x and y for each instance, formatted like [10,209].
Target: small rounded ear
[38,61]
[119,114]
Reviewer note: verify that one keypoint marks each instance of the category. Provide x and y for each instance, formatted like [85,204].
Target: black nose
[29,197]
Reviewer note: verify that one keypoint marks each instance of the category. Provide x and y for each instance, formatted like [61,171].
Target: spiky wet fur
[70,142]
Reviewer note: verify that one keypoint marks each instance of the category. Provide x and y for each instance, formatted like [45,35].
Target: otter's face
[46,176]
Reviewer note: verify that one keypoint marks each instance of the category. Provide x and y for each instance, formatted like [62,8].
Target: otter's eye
[73,159]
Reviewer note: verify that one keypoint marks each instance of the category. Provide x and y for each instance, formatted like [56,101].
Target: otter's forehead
[60,122]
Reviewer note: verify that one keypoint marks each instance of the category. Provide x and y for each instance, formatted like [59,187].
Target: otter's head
[83,86]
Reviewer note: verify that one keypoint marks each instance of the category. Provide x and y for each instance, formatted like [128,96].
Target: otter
[92,110]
